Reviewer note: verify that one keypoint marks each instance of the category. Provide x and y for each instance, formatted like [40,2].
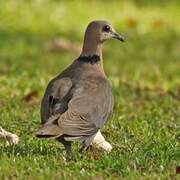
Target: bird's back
[82,89]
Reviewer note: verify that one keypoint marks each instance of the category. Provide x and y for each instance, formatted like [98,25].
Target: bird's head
[101,31]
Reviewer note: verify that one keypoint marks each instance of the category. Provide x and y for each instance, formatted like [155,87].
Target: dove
[79,101]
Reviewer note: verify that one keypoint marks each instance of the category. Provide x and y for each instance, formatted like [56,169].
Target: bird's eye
[106,28]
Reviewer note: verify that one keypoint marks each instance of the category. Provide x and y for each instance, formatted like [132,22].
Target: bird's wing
[89,108]
[56,98]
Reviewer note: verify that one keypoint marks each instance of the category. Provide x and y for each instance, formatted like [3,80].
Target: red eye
[106,28]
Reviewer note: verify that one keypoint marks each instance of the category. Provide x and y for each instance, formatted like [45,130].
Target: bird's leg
[83,148]
[68,149]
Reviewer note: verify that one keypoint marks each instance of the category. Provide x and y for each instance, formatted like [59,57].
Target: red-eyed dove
[79,101]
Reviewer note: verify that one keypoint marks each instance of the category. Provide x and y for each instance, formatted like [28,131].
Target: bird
[79,101]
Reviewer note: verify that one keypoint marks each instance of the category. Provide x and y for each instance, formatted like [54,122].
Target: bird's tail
[50,131]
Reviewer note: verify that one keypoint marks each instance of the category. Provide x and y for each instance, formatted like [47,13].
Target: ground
[144,73]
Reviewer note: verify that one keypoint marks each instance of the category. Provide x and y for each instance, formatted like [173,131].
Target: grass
[144,73]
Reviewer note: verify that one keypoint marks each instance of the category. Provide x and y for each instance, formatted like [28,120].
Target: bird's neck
[92,48]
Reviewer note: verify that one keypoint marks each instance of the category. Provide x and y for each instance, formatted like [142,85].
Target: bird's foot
[68,149]
[69,157]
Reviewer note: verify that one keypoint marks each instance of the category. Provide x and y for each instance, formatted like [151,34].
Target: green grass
[144,72]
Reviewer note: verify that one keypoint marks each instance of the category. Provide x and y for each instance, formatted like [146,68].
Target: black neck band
[93,59]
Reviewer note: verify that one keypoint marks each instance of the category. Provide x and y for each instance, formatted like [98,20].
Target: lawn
[144,72]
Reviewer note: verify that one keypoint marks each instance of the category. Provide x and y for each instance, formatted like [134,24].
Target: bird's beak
[118,36]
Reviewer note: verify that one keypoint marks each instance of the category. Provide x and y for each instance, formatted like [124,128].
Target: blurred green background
[39,38]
